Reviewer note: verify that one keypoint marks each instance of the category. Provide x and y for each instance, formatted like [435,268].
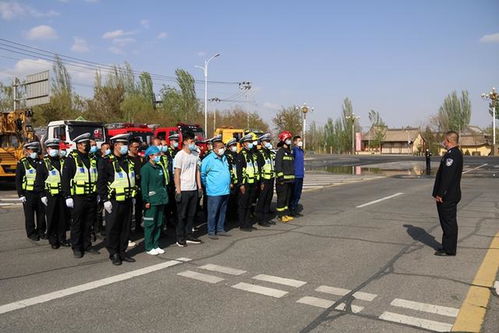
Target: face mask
[62,153]
[192,146]
[255,143]
[300,144]
[107,152]
[53,152]
[250,145]
[221,151]
[157,158]
[160,147]
[164,149]
[123,150]
[93,149]
[175,144]
[288,142]
[268,145]
[233,149]
[33,155]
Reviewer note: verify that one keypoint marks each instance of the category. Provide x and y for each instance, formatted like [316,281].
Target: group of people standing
[171,184]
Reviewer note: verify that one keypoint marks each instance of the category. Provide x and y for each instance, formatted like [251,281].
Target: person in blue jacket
[298,154]
[215,176]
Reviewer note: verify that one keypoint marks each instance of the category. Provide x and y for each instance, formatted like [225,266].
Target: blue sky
[400,58]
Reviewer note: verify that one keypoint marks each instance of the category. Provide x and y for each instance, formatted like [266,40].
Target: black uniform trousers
[34,207]
[283,191]
[264,199]
[245,203]
[118,227]
[99,221]
[447,213]
[186,210]
[138,210]
[83,214]
[56,219]
[232,205]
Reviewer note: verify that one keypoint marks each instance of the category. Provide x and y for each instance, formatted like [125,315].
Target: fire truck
[67,130]
[142,132]
[165,132]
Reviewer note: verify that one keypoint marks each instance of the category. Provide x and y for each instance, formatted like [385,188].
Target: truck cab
[165,132]
[67,130]
[142,132]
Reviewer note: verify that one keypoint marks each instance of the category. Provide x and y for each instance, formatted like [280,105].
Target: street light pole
[305,109]
[205,71]
[353,117]
[493,97]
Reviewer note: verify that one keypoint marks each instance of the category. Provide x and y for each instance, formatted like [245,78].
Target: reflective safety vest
[255,163]
[231,159]
[289,159]
[53,181]
[251,170]
[165,165]
[123,185]
[268,168]
[29,175]
[85,179]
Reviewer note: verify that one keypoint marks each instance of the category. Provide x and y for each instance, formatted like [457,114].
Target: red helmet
[284,135]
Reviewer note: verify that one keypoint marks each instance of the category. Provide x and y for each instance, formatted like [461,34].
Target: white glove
[108,206]
[134,201]
[22,199]
[98,198]
[70,203]
[44,201]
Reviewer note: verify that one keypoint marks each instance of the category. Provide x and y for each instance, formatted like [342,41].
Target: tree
[288,119]
[455,112]
[238,118]
[378,129]
[6,97]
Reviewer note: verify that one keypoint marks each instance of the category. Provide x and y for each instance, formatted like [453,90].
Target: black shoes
[55,246]
[35,238]
[246,229]
[212,236]
[65,243]
[192,240]
[92,251]
[77,254]
[264,224]
[43,236]
[127,259]
[115,259]
[181,243]
[271,222]
[442,253]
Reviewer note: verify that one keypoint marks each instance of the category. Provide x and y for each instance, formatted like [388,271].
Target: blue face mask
[157,158]
[93,149]
[175,144]
[164,149]
[192,146]
[250,145]
[107,152]
[53,152]
[124,150]
[62,153]
[33,155]
[268,145]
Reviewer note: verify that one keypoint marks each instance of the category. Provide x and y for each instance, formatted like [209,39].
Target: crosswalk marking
[325,303]
[183,259]
[417,322]
[430,308]
[279,280]
[342,292]
[201,277]
[253,288]
[223,269]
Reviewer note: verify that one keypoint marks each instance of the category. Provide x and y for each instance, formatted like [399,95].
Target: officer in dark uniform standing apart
[79,188]
[138,161]
[231,154]
[48,184]
[266,159]
[427,155]
[117,188]
[285,175]
[447,193]
[171,207]
[30,198]
[246,177]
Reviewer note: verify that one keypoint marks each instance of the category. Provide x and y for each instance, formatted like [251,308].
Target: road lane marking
[342,292]
[200,276]
[279,280]
[379,200]
[183,259]
[253,288]
[424,307]
[325,304]
[84,287]
[223,269]
[417,322]
[478,167]
[472,312]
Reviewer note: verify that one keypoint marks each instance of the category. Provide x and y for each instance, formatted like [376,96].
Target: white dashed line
[342,292]
[200,276]
[279,280]
[379,200]
[183,259]
[84,287]
[325,303]
[252,288]
[430,308]
[417,322]
[478,167]
[222,269]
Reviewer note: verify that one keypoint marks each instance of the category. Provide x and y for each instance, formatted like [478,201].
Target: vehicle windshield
[10,141]
[97,132]
[142,136]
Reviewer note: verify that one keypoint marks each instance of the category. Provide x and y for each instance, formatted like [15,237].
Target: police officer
[285,175]
[171,207]
[79,188]
[116,186]
[48,184]
[427,155]
[246,169]
[256,193]
[266,159]
[231,154]
[138,161]
[447,193]
[30,198]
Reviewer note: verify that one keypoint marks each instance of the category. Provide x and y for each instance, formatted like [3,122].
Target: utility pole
[304,110]
[245,86]
[493,97]
[205,71]
[353,117]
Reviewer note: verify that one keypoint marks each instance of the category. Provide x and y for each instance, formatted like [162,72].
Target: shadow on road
[420,235]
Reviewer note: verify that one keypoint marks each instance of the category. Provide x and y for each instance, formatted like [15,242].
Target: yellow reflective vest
[84,181]
[29,175]
[53,180]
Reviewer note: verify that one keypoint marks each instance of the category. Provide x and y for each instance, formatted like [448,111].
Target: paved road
[361,259]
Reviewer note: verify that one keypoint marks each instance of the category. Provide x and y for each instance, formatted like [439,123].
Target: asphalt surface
[383,249]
